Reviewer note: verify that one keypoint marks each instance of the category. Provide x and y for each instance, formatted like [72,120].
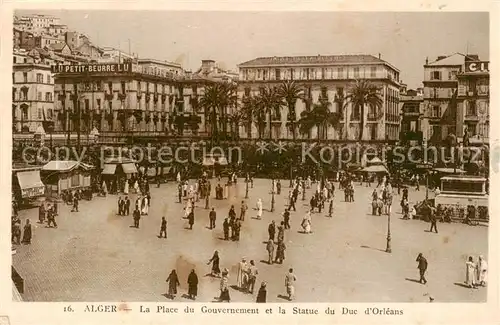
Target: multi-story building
[411,103]
[328,77]
[32,93]
[473,109]
[147,96]
[46,40]
[35,23]
[440,97]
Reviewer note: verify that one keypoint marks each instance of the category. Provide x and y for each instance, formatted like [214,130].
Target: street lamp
[272,196]
[246,186]
[388,247]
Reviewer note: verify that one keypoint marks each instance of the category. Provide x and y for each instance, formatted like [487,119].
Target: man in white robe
[242,274]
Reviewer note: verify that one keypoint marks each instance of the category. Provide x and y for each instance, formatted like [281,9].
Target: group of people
[476,274]
[16,231]
[173,283]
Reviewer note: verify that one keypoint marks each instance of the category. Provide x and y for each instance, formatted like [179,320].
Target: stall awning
[65,165]
[375,169]
[30,183]
[129,168]
[109,169]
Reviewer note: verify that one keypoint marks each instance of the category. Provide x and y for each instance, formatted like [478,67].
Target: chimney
[426,60]
[441,57]
[379,56]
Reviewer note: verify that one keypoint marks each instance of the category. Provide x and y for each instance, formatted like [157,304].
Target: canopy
[30,183]
[129,168]
[375,160]
[449,170]
[375,169]
[109,169]
[65,165]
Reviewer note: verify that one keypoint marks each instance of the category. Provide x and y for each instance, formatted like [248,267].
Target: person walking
[137,217]
[259,209]
[75,204]
[422,267]
[27,232]
[163,227]
[173,282]
[290,279]
[16,230]
[286,218]
[271,229]
[280,253]
[127,206]
[192,285]
[191,219]
[252,276]
[242,277]
[51,219]
[243,210]
[433,219]
[330,208]
[262,294]
[225,227]
[470,273]
[270,251]
[215,271]
[281,232]
[306,223]
[224,289]
[120,206]
[482,271]
[212,216]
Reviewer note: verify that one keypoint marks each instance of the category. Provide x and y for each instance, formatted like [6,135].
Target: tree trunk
[270,126]
[361,123]
[249,130]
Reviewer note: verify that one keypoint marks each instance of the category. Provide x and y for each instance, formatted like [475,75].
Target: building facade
[329,77]
[473,108]
[32,93]
[35,23]
[411,104]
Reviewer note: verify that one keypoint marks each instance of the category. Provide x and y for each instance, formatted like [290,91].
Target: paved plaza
[95,255]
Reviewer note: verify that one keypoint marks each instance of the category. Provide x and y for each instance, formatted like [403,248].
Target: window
[40,113]
[48,78]
[452,75]
[139,86]
[471,129]
[278,74]
[292,72]
[356,72]
[48,97]
[14,90]
[87,104]
[39,78]
[50,114]
[471,108]
[75,180]
[436,111]
[24,93]
[323,73]
[25,113]
[261,90]
[264,75]
[39,96]
[123,87]
[110,86]
[247,91]
[14,60]
[341,73]
[373,72]
[435,75]
[25,76]
[324,92]
[194,89]
[98,103]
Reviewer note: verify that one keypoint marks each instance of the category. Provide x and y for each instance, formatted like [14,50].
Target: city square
[95,255]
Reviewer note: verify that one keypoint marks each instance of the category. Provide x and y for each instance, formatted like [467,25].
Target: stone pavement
[95,255]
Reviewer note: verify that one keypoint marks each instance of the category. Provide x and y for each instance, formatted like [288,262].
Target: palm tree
[363,93]
[259,116]
[248,108]
[228,98]
[271,102]
[210,101]
[290,93]
[340,100]
[321,117]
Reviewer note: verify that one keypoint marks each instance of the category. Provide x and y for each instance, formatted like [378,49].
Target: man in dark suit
[137,217]
[127,206]
[163,227]
[422,267]
[212,216]
[433,219]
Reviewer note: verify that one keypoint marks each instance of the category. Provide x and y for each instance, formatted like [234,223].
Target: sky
[403,39]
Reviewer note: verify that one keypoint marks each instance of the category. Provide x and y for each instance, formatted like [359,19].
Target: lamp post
[388,247]
[246,187]
[272,195]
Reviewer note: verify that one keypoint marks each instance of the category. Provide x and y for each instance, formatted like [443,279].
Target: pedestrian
[286,218]
[237,229]
[225,227]
[270,251]
[137,217]
[470,273]
[280,253]
[281,232]
[271,229]
[259,209]
[51,219]
[242,277]
[252,276]
[290,279]
[191,219]
[243,210]
[261,296]
[306,223]
[215,264]
[278,187]
[224,289]
[148,196]
[144,205]
[212,216]
[422,267]
[16,230]
[192,285]
[75,204]
[27,232]
[120,206]
[127,206]
[173,282]
[232,213]
[179,193]
[433,219]
[330,208]
[482,271]
[163,227]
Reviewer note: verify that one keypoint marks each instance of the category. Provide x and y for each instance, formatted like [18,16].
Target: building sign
[33,191]
[477,66]
[153,71]
[92,68]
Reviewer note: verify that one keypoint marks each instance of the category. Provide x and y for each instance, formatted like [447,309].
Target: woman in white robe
[226,191]
[306,223]
[188,208]
[126,189]
[104,188]
[259,209]
[136,188]
[145,206]
[470,273]
[178,177]
[482,271]
[242,274]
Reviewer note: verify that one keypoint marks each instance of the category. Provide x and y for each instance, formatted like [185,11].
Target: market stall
[62,176]
[27,185]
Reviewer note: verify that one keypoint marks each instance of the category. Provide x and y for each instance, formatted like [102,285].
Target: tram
[464,198]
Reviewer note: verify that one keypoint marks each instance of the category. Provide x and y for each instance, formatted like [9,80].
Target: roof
[318,59]
[453,59]
[64,165]
[58,46]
